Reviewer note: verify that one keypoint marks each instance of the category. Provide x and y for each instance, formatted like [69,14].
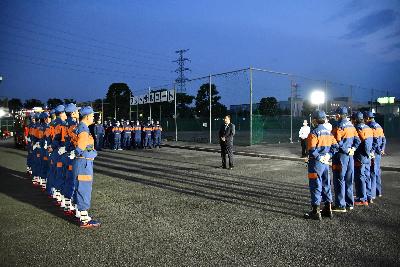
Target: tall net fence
[265,106]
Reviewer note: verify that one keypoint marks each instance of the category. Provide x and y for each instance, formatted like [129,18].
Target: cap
[369,114]
[37,115]
[319,115]
[71,107]
[59,109]
[86,111]
[358,116]
[342,111]
[52,111]
[44,115]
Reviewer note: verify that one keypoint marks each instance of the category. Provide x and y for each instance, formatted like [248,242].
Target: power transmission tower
[181,80]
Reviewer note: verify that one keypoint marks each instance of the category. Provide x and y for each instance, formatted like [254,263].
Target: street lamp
[317,97]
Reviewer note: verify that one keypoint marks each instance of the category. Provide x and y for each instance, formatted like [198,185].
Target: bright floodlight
[317,97]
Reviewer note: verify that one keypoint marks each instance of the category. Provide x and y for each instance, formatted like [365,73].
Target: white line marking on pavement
[20,177]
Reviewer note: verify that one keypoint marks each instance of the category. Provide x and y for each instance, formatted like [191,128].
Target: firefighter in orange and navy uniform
[45,143]
[29,129]
[84,155]
[36,135]
[321,146]
[126,135]
[147,135]
[362,160]
[378,146]
[117,132]
[157,129]
[343,162]
[58,147]
[70,182]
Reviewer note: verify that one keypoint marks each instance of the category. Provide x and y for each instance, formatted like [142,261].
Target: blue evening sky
[76,49]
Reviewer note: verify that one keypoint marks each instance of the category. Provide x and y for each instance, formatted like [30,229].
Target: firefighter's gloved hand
[28,139]
[45,145]
[351,151]
[36,145]
[61,150]
[72,154]
[326,159]
[322,159]
[372,155]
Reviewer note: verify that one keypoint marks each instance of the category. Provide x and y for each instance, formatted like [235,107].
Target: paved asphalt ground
[174,207]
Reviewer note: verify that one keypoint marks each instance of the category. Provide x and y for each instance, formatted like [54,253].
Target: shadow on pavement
[18,186]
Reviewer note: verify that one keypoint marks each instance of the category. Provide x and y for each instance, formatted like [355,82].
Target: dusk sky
[76,49]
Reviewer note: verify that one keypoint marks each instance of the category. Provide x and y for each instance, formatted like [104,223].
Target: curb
[259,155]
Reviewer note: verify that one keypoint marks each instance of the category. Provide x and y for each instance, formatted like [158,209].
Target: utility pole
[181,80]
[149,103]
[115,106]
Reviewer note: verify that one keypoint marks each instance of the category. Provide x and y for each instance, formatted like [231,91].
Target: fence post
[251,106]
[326,96]
[176,127]
[291,111]
[209,96]
[130,108]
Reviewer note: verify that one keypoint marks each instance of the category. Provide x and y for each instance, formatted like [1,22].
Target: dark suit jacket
[227,132]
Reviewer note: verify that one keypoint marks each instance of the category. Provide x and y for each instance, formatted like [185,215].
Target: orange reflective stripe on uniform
[336,167]
[84,178]
[365,133]
[83,140]
[312,140]
[312,175]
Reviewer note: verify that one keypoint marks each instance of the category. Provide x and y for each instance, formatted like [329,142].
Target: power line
[83,57]
[66,39]
[67,65]
[80,50]
[31,23]
[73,64]
[181,80]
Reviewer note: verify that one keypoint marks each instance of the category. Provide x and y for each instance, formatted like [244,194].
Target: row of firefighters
[354,148]
[61,152]
[127,135]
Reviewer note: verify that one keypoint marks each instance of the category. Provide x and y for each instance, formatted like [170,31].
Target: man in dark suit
[226,133]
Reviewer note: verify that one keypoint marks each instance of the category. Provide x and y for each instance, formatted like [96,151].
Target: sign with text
[153,97]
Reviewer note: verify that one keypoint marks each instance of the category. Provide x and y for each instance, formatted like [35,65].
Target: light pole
[317,98]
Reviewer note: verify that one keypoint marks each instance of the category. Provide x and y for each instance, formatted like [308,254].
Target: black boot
[327,210]
[314,214]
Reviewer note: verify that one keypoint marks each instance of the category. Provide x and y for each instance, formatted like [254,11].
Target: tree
[183,102]
[69,101]
[202,101]
[14,104]
[269,106]
[31,103]
[118,97]
[53,102]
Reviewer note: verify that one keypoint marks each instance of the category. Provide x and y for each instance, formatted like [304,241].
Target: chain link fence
[265,106]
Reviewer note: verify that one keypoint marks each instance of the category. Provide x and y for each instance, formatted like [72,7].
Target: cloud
[350,8]
[396,46]
[371,23]
[393,34]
